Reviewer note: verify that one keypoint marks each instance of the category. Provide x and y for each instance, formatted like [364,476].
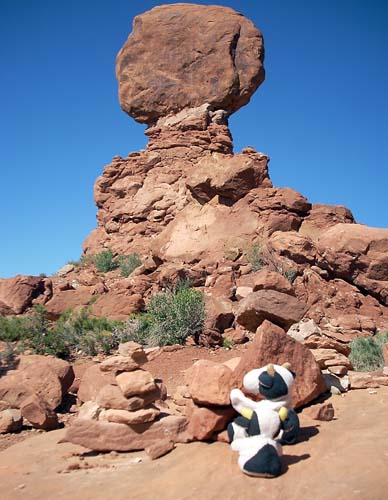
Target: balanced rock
[272,345]
[183,55]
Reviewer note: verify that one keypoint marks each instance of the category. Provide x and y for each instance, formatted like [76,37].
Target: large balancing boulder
[185,55]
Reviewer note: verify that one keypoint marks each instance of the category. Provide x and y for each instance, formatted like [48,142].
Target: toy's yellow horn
[287,366]
[271,370]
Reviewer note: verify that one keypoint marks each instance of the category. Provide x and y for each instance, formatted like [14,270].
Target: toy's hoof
[265,463]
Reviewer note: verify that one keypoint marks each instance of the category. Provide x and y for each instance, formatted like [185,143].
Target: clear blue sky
[321,114]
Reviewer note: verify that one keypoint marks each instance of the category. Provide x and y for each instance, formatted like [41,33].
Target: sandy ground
[343,459]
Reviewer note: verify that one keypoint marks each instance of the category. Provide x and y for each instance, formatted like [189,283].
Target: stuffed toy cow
[274,383]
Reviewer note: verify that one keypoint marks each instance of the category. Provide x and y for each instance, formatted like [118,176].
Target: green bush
[128,263]
[367,352]
[172,316]
[73,332]
[12,329]
[253,255]
[104,261]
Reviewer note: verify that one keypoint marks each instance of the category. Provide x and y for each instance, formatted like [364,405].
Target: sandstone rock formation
[191,208]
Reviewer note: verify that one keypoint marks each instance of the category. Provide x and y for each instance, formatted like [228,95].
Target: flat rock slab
[322,466]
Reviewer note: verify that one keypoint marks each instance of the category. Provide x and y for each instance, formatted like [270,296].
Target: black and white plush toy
[259,453]
[274,382]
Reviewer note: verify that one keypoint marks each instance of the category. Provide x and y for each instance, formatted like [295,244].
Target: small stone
[135,383]
[160,448]
[323,411]
[335,391]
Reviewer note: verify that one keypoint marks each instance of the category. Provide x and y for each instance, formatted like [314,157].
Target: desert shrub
[87,334]
[227,343]
[104,261]
[12,329]
[128,263]
[263,257]
[41,338]
[253,255]
[72,332]
[367,352]
[172,316]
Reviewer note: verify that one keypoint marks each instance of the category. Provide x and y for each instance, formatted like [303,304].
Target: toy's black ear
[293,373]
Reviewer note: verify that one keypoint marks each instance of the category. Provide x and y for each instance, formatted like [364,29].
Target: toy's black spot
[265,463]
[254,427]
[272,387]
[230,432]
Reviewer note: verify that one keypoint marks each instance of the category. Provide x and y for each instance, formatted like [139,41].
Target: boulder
[209,382]
[280,308]
[63,300]
[272,345]
[17,293]
[38,413]
[11,420]
[92,381]
[183,55]
[219,313]
[321,217]
[229,177]
[107,436]
[39,379]
[60,367]
[304,330]
[265,280]
[118,305]
[204,422]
